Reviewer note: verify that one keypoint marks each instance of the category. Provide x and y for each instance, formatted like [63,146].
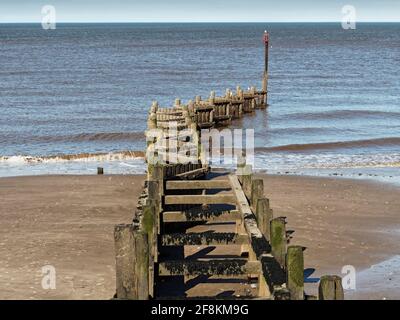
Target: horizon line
[153,22]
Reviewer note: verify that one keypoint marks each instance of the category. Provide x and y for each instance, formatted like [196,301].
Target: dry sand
[67,222]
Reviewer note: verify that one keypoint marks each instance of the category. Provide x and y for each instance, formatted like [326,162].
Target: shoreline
[393,181]
[68,222]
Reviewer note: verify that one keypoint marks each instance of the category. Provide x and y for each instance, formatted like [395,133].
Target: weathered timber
[247,177]
[200,199]
[257,191]
[228,267]
[330,288]
[203,238]
[132,263]
[150,225]
[198,184]
[214,216]
[295,272]
[240,168]
[264,216]
[278,239]
[193,174]
[257,240]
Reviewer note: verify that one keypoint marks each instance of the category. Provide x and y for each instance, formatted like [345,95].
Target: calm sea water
[86,88]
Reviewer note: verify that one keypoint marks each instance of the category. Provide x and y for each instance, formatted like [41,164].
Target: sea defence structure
[196,225]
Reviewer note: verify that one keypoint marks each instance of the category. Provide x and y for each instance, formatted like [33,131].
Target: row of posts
[290,258]
[209,111]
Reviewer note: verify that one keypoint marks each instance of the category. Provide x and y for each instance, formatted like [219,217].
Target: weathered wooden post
[154,107]
[278,240]
[155,172]
[198,100]
[246,180]
[212,97]
[265,77]
[152,120]
[240,167]
[257,191]
[186,115]
[151,224]
[132,262]
[177,103]
[253,100]
[191,108]
[330,288]
[264,216]
[242,104]
[295,272]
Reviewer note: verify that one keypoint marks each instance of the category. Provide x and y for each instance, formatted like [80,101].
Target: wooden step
[193,174]
[205,125]
[222,118]
[203,108]
[214,216]
[201,199]
[200,184]
[171,119]
[167,125]
[227,267]
[203,238]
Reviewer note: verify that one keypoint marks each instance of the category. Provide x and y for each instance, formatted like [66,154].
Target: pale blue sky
[198,11]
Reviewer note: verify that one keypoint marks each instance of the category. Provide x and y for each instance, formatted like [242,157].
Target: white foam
[109,157]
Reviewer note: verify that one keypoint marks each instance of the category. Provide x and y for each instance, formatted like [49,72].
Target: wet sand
[67,222]
[342,222]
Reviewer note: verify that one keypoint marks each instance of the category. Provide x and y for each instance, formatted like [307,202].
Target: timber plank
[203,238]
[199,184]
[200,199]
[215,216]
[233,267]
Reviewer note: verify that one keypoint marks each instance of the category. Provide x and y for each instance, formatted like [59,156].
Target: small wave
[343,114]
[112,156]
[81,137]
[101,136]
[333,145]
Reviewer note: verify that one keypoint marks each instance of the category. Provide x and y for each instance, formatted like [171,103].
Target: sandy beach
[68,221]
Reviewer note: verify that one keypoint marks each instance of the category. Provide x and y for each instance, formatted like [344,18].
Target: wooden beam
[132,263]
[203,238]
[244,208]
[200,199]
[278,239]
[214,216]
[200,184]
[233,267]
[330,288]
[264,216]
[295,272]
[193,174]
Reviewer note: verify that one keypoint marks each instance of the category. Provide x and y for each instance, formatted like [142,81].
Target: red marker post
[266,42]
[265,78]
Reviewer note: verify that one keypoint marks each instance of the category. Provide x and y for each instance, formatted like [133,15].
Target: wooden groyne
[229,209]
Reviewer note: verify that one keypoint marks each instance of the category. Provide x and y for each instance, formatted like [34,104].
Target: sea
[77,97]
